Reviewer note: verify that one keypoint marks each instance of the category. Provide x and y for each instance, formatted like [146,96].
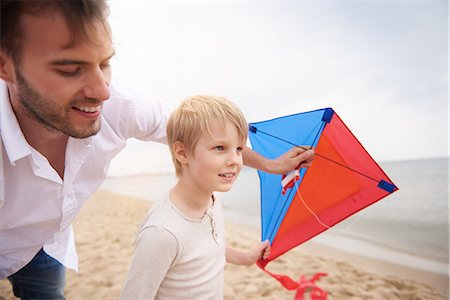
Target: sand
[105,230]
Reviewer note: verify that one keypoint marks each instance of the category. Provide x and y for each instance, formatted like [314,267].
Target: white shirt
[36,206]
[178,257]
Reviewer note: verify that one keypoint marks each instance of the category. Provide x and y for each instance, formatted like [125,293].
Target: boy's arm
[154,253]
[260,251]
[283,164]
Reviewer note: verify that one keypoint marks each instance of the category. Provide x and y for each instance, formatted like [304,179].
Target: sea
[408,227]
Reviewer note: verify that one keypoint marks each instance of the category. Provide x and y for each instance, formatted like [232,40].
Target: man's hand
[290,160]
[293,159]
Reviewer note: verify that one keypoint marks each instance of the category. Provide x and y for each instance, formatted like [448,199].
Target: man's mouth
[88,109]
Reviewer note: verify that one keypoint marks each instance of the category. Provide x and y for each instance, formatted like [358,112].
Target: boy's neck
[191,201]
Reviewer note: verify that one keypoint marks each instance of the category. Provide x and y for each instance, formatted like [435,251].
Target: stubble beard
[40,109]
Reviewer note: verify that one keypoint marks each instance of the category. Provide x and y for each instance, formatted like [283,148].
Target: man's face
[62,87]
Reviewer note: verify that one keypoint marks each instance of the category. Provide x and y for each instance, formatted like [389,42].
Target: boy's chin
[224,189]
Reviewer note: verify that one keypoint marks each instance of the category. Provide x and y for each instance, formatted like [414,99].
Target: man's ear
[180,152]
[7,70]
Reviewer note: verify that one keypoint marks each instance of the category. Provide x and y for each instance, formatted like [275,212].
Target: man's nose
[97,86]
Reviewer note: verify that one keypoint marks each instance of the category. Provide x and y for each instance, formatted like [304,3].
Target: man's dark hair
[78,14]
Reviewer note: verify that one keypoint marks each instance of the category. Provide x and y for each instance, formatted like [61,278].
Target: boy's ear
[7,72]
[180,152]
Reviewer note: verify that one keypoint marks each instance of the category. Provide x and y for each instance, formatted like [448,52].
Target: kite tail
[302,286]
[316,292]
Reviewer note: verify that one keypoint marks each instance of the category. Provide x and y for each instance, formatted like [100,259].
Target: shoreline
[373,250]
[354,244]
[405,267]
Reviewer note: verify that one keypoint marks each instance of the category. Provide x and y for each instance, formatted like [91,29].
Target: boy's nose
[235,158]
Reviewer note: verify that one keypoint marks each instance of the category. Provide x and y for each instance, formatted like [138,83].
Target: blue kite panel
[271,139]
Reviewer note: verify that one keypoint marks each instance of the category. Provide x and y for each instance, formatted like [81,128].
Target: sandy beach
[105,230]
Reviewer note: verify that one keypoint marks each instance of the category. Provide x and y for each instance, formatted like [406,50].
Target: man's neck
[51,144]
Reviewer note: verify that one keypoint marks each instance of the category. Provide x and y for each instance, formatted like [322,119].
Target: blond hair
[194,118]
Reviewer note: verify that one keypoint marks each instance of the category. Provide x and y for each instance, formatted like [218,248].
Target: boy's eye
[105,66]
[239,149]
[220,148]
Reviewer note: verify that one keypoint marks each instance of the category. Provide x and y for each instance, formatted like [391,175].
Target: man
[62,120]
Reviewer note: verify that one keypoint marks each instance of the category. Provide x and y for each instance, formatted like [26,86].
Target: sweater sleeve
[155,250]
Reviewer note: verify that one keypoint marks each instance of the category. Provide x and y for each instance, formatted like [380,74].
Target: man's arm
[285,163]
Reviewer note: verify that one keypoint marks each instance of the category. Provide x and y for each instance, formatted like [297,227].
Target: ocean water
[412,221]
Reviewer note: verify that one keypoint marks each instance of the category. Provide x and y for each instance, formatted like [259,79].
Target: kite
[342,180]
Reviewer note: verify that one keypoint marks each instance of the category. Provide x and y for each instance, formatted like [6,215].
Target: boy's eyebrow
[64,61]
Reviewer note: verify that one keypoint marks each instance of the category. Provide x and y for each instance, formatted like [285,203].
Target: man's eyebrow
[64,61]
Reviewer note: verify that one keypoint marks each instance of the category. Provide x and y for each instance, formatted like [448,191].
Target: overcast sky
[381,65]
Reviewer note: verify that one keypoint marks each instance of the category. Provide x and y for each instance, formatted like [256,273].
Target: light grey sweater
[177,257]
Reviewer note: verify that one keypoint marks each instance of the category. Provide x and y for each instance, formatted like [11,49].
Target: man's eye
[69,73]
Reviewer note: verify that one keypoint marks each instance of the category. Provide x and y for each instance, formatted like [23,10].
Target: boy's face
[216,160]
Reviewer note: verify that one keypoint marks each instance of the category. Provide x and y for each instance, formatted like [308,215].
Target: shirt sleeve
[133,112]
[155,250]
[150,116]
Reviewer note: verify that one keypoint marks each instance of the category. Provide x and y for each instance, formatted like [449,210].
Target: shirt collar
[14,141]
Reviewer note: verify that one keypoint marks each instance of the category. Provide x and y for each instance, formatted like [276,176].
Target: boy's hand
[259,251]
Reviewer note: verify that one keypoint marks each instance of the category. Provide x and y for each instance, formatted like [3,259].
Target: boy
[181,249]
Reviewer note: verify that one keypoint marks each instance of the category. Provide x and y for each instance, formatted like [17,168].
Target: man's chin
[82,134]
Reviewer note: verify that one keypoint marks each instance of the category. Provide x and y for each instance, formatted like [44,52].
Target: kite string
[309,209]
[317,217]
[318,155]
